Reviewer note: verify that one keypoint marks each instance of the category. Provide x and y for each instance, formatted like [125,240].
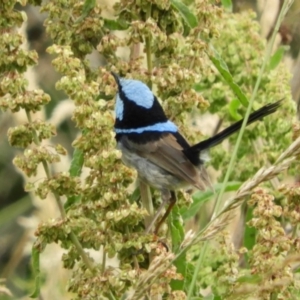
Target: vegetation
[196,57]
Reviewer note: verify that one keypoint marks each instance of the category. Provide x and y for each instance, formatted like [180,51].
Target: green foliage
[276,58]
[199,198]
[227,4]
[223,70]
[240,48]
[36,271]
[188,17]
[188,74]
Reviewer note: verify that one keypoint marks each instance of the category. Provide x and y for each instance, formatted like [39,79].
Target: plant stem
[197,269]
[81,252]
[144,188]
[111,295]
[103,259]
[295,231]
[72,235]
[148,47]
[146,202]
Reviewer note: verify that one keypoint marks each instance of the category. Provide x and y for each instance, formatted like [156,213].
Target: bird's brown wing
[167,154]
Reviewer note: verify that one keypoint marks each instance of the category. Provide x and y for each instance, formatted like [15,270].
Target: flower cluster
[268,258]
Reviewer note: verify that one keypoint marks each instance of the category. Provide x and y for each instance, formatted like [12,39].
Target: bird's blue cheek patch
[137,92]
[119,108]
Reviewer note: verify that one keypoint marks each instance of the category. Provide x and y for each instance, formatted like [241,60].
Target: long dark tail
[219,137]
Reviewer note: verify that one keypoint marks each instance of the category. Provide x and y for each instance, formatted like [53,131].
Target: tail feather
[219,137]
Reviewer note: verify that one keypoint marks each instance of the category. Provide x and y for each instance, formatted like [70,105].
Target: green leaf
[135,196]
[220,64]
[189,18]
[233,106]
[198,87]
[254,279]
[199,198]
[87,7]
[190,271]
[75,170]
[177,230]
[177,235]
[76,163]
[250,232]
[227,4]
[35,257]
[116,24]
[276,58]
[70,201]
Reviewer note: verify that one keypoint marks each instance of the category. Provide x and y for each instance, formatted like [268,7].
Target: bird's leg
[172,201]
[166,196]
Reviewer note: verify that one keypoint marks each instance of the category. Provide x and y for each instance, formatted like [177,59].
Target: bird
[152,144]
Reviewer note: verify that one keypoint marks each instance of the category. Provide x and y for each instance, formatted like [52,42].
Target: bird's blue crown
[137,109]
[135,91]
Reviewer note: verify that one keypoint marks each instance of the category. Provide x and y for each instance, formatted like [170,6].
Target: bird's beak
[116,77]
